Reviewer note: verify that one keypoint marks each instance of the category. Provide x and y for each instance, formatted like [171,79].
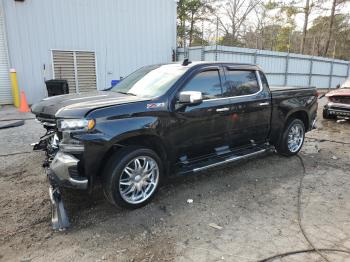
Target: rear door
[250,106]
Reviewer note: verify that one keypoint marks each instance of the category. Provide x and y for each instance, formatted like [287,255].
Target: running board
[229,160]
[214,160]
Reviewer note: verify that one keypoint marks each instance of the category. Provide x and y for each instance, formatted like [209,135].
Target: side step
[214,160]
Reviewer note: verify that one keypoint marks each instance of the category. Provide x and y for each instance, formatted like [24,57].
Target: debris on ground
[249,211]
[341,120]
[11,124]
[216,226]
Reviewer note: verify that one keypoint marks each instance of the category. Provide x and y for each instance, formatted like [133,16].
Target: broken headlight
[75,124]
[69,127]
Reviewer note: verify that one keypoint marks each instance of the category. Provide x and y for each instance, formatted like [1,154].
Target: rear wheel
[132,176]
[292,138]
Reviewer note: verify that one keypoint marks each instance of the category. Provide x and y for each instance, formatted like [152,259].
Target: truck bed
[280,93]
[290,88]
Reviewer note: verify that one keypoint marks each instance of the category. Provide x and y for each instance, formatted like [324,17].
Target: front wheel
[132,177]
[292,138]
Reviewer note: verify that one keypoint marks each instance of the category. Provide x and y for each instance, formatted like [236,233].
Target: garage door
[77,67]
[5,84]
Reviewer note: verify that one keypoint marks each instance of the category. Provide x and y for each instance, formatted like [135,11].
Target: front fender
[109,132]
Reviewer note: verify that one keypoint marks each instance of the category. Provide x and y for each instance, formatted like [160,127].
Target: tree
[261,13]
[237,12]
[306,21]
[190,12]
[267,24]
[340,36]
[335,4]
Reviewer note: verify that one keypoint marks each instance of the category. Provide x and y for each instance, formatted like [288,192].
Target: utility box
[57,87]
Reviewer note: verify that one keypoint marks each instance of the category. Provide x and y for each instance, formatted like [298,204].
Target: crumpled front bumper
[63,171]
[338,109]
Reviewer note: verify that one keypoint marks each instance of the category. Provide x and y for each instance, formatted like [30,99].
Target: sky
[299,19]
[345,8]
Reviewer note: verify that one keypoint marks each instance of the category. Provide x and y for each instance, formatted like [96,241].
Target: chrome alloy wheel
[295,138]
[139,179]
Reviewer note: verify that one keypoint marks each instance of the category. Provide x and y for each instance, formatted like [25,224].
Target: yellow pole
[15,91]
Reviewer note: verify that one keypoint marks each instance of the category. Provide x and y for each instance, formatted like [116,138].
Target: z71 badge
[155,105]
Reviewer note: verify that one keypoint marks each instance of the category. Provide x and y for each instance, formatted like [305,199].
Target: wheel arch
[301,115]
[149,141]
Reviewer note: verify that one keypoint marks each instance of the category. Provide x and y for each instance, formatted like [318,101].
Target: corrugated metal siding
[5,84]
[124,34]
[86,71]
[196,54]
[280,68]
[63,66]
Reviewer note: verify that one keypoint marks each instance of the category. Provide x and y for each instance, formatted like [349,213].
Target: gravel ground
[254,202]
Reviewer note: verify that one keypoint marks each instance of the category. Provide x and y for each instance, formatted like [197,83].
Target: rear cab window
[240,83]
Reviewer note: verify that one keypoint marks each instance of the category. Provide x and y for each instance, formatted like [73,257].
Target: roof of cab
[232,65]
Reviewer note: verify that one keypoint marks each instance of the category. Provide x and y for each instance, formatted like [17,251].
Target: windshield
[150,81]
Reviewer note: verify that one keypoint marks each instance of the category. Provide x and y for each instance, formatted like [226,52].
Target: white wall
[125,35]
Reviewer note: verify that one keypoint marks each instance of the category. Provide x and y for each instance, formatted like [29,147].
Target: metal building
[87,42]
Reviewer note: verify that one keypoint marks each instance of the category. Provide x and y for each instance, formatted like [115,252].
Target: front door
[197,125]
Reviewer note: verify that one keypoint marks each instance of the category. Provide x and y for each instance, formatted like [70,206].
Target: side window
[239,83]
[264,82]
[207,82]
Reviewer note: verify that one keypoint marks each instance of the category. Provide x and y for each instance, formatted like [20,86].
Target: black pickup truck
[165,120]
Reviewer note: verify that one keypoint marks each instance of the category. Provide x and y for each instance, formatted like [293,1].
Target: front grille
[73,172]
[339,112]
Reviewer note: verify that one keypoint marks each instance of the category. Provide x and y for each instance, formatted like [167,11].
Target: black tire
[326,115]
[282,147]
[114,170]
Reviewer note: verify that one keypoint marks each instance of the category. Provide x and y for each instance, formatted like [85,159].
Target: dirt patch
[253,202]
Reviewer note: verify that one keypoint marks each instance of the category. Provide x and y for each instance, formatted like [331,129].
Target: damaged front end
[338,103]
[62,165]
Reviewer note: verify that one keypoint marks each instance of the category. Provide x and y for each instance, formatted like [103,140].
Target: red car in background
[338,102]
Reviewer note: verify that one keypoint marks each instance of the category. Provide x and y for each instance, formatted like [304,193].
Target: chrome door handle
[224,109]
[264,104]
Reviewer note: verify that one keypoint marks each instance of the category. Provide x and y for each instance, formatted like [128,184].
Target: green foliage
[274,27]
[271,5]
[340,42]
[189,13]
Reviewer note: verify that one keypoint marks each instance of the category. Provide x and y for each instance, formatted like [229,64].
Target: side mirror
[190,97]
[338,86]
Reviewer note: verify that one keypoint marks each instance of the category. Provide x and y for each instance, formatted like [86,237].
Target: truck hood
[339,92]
[78,105]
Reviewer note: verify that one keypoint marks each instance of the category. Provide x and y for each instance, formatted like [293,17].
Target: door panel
[250,107]
[198,134]
[202,127]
